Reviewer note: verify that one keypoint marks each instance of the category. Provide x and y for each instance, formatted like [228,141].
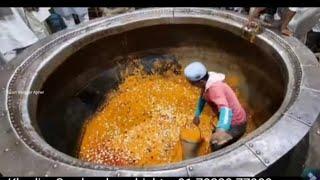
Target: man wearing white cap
[232,117]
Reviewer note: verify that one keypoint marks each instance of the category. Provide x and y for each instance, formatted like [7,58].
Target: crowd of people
[22,27]
[302,23]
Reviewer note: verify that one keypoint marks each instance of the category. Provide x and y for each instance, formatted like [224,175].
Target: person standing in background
[55,22]
[15,35]
[20,28]
[305,22]
[294,21]
[36,20]
[73,16]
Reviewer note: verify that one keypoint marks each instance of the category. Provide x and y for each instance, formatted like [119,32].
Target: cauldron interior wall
[75,90]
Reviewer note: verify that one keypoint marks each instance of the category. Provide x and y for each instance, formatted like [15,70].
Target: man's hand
[220,137]
[286,32]
[253,16]
[251,23]
[196,120]
[253,19]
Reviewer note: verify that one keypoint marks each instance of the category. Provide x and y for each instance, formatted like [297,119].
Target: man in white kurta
[14,33]
[304,20]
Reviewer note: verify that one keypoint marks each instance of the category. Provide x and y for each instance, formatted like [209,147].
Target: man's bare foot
[286,32]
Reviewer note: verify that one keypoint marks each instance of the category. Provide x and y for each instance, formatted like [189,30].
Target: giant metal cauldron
[280,73]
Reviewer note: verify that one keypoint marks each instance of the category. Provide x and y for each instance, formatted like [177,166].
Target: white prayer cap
[195,71]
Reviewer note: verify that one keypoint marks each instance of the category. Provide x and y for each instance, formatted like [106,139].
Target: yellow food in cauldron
[141,122]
